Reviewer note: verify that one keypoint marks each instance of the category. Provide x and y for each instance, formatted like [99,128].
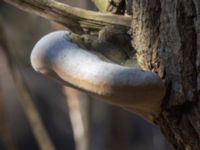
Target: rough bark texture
[117,6]
[166,36]
[120,7]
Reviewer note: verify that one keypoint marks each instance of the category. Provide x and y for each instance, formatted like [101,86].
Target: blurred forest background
[37,113]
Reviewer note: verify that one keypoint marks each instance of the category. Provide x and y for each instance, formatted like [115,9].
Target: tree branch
[37,126]
[76,19]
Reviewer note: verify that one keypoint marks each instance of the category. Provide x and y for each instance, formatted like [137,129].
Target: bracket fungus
[136,90]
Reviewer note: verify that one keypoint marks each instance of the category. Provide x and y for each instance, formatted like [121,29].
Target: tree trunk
[166,36]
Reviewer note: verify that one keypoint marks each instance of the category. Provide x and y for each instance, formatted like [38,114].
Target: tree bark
[166,37]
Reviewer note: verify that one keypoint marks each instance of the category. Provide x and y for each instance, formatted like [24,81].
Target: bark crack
[186,13]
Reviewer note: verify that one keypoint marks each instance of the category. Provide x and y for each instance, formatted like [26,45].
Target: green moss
[104,50]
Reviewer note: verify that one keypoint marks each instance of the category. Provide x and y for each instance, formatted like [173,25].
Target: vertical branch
[80,118]
[33,116]
[87,118]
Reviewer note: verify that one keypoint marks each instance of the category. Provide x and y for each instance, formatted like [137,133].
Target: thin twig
[79,118]
[39,131]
